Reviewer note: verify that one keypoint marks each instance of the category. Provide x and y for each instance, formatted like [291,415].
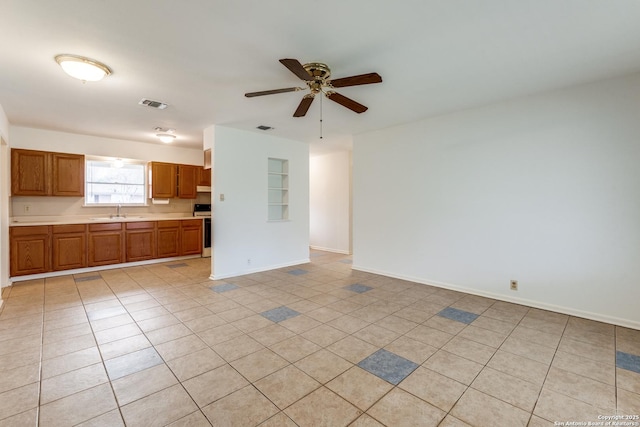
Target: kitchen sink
[115,218]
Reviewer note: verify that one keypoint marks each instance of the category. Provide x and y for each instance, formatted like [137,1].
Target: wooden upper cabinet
[187,181]
[163,180]
[68,174]
[29,173]
[204,177]
[42,173]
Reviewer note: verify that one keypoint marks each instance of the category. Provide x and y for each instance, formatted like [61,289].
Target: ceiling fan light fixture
[166,137]
[82,68]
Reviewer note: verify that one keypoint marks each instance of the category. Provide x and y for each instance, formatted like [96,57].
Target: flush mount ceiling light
[166,137]
[81,68]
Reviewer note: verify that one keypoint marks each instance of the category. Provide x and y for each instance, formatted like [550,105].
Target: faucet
[118,215]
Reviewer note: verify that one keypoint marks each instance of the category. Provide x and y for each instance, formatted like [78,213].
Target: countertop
[19,221]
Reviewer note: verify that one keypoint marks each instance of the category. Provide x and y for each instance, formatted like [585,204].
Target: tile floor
[314,345]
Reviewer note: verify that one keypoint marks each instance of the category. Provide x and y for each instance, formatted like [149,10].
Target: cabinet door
[187,180]
[163,180]
[168,239]
[140,238]
[191,237]
[68,174]
[106,244]
[204,177]
[29,250]
[69,250]
[29,172]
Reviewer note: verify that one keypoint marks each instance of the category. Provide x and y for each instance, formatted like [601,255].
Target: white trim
[99,268]
[529,303]
[338,251]
[258,270]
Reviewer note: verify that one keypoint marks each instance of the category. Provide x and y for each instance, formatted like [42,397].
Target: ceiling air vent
[153,104]
[263,127]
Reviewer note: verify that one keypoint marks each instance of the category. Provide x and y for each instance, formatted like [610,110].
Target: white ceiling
[201,56]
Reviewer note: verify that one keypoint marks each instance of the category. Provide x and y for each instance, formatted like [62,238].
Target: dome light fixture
[166,137]
[81,68]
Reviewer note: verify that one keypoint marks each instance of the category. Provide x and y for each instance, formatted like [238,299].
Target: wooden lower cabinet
[191,237]
[168,239]
[106,244]
[140,240]
[68,246]
[29,250]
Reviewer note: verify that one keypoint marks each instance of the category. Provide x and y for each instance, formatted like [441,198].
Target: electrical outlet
[248,261]
[514,285]
[27,208]
[222,197]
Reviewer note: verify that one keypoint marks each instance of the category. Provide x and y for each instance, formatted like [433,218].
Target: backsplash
[72,206]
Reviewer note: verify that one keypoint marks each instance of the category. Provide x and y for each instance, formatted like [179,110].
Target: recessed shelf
[278,189]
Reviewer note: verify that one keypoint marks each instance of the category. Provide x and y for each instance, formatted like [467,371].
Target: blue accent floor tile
[182,264]
[224,287]
[357,287]
[458,315]
[388,366]
[279,314]
[628,361]
[87,278]
[297,272]
[346,261]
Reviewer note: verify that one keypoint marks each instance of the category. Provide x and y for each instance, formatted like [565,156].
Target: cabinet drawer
[192,223]
[70,228]
[113,226]
[169,224]
[142,225]
[29,231]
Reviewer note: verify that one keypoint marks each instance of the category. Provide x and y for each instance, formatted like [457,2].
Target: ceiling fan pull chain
[321,117]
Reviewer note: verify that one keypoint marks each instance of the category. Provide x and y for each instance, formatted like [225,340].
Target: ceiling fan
[316,76]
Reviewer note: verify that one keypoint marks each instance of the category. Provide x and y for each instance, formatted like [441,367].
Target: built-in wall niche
[278,187]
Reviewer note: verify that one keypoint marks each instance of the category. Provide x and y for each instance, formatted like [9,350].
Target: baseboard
[337,251]
[258,270]
[529,303]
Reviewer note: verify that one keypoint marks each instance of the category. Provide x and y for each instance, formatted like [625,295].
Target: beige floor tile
[503,315]
[359,387]
[78,407]
[219,334]
[536,421]
[352,349]
[286,386]
[252,323]
[236,314]
[195,419]
[111,322]
[603,372]
[628,380]
[169,333]
[438,390]
[431,336]
[72,382]
[411,349]
[323,365]
[259,364]
[529,349]
[324,314]
[397,324]
[628,403]
[124,346]
[336,411]
[19,358]
[117,333]
[628,346]
[180,347]
[271,334]
[18,377]
[18,400]
[494,325]
[518,366]
[26,418]
[399,408]
[581,388]
[214,384]
[471,350]
[143,383]
[507,388]
[279,420]
[195,363]
[324,335]
[483,336]
[53,335]
[365,420]
[237,347]
[130,363]
[201,324]
[482,410]
[300,324]
[149,313]
[160,408]
[451,421]
[588,350]
[348,324]
[196,312]
[109,419]
[159,322]
[70,345]
[445,325]
[245,407]
[536,337]
[295,348]
[376,335]
[452,366]
[586,325]
[556,407]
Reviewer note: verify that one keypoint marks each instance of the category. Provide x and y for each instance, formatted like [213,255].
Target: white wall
[240,227]
[330,202]
[543,190]
[4,200]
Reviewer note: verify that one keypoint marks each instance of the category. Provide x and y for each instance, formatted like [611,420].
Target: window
[278,182]
[108,182]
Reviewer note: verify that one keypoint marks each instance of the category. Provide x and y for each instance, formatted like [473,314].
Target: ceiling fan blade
[304,106]
[296,68]
[271,92]
[362,79]
[346,102]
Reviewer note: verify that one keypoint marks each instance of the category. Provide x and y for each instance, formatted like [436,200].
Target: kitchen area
[66,217]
